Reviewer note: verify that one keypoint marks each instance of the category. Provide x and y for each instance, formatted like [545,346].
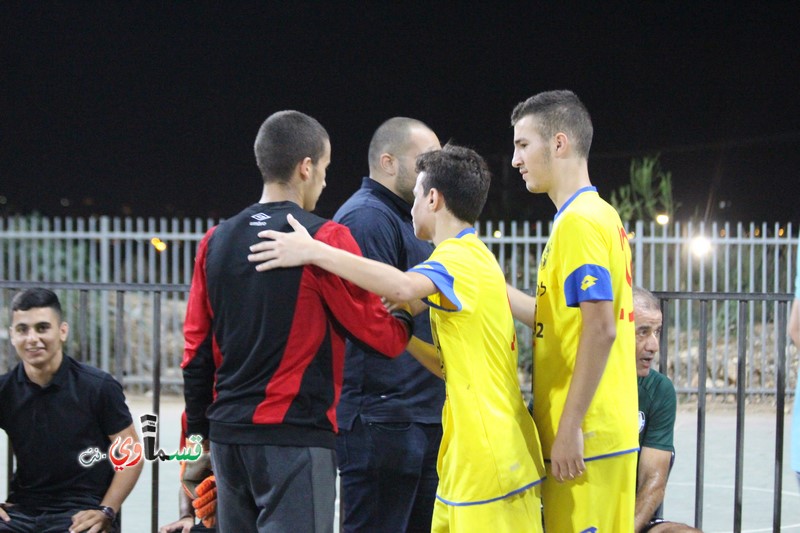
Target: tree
[649,193]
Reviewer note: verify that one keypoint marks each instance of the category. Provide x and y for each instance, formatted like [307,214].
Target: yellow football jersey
[587,257]
[490,449]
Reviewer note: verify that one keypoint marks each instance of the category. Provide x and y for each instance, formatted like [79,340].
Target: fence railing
[695,372]
[681,257]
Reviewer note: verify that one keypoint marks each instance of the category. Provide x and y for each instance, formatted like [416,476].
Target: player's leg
[428,438]
[236,509]
[294,488]
[20,522]
[381,465]
[602,499]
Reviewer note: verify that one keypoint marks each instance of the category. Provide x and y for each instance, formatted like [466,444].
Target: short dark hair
[392,136]
[559,111]
[36,298]
[461,175]
[284,140]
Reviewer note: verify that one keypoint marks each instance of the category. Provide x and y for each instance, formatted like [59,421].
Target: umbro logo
[260,219]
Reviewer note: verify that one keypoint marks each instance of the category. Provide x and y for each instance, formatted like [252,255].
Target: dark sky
[152,108]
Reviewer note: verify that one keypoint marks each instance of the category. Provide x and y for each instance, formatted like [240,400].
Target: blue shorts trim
[490,500]
[606,456]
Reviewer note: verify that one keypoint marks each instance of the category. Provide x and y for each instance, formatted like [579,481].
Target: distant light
[722,233]
[65,202]
[757,233]
[780,232]
[662,219]
[700,246]
[497,234]
[158,244]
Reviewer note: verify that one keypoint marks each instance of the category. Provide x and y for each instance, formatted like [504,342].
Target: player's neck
[448,227]
[281,192]
[572,177]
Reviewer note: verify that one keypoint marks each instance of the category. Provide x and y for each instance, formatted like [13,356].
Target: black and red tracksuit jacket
[264,351]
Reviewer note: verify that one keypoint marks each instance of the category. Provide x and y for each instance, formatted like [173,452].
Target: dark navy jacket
[376,388]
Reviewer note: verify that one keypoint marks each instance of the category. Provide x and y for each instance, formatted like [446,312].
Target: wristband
[405,317]
[110,513]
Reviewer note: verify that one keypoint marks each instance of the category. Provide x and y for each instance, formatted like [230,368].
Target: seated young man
[490,461]
[657,406]
[53,409]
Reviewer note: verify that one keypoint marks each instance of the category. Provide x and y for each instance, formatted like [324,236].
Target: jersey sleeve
[114,413]
[361,313]
[198,364]
[585,266]
[661,420]
[436,271]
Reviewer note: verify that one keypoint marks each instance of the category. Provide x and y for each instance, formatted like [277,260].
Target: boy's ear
[435,199]
[304,168]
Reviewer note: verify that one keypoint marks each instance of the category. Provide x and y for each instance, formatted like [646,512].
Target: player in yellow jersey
[490,463]
[584,385]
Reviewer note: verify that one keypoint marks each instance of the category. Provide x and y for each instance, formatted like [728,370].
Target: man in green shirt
[657,407]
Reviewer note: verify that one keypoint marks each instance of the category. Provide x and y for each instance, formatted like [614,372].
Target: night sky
[151,109]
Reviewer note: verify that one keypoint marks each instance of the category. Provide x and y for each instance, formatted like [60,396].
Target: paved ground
[718,506]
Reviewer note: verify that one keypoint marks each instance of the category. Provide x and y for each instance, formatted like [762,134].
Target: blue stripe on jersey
[588,282]
[438,274]
[490,500]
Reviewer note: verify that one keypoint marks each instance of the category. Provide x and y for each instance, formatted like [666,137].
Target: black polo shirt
[49,428]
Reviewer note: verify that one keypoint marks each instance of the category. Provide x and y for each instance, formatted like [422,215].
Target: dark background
[151,110]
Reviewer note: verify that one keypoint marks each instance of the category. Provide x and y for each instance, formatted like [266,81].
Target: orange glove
[205,505]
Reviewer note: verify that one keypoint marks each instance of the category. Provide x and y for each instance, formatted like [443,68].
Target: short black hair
[284,140]
[559,111]
[36,298]
[393,137]
[461,175]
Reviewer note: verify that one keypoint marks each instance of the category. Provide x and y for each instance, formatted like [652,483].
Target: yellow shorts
[602,500]
[520,512]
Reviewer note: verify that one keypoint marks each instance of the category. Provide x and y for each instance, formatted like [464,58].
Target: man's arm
[93,520]
[186,522]
[597,336]
[426,354]
[651,483]
[523,305]
[298,248]
[198,361]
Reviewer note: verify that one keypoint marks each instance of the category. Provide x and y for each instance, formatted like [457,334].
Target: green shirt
[657,406]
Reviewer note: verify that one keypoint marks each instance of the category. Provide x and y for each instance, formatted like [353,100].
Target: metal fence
[742,307]
[682,257]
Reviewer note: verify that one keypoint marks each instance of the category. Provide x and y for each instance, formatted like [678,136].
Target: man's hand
[205,505]
[284,249]
[90,521]
[184,525]
[3,514]
[566,457]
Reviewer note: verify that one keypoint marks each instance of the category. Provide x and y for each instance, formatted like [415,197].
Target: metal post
[780,391]
[740,399]
[701,416]
[156,402]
